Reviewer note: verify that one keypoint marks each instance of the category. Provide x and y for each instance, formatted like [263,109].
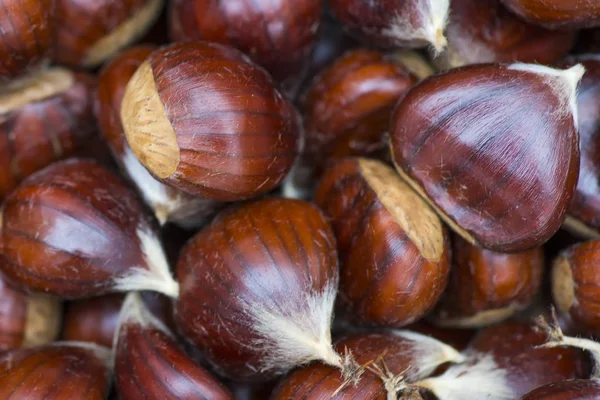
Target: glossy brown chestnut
[574,389]
[168,204]
[494,148]
[563,14]
[43,119]
[398,23]
[75,230]
[278,35]
[394,250]
[150,364]
[60,371]
[90,32]
[27,27]
[203,118]
[486,287]
[485,31]
[457,338]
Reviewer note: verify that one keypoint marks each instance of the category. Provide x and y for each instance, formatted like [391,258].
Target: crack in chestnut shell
[278,35]
[266,252]
[236,136]
[27,28]
[484,31]
[394,264]
[486,287]
[42,132]
[575,389]
[70,229]
[55,372]
[492,148]
[557,14]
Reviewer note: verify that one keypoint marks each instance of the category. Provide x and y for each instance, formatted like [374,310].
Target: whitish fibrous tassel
[156,276]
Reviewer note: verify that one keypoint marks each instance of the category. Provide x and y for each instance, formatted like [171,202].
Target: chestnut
[62,370]
[90,32]
[499,169]
[168,204]
[397,23]
[150,364]
[44,118]
[485,31]
[574,389]
[27,28]
[203,118]
[557,14]
[278,35]
[76,230]
[394,250]
[486,287]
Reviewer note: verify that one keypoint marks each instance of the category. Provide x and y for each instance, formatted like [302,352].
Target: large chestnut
[494,148]
[168,204]
[394,250]
[484,31]
[486,287]
[44,118]
[76,230]
[89,32]
[203,118]
[398,23]
[553,14]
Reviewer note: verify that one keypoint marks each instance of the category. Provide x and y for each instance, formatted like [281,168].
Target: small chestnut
[394,250]
[75,230]
[486,287]
[494,148]
[397,23]
[89,32]
[203,118]
[557,14]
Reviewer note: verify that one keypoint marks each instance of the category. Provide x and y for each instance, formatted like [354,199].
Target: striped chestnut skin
[485,31]
[497,179]
[557,14]
[76,230]
[59,371]
[486,287]
[278,35]
[45,119]
[574,389]
[89,32]
[276,256]
[394,250]
[203,118]
[150,364]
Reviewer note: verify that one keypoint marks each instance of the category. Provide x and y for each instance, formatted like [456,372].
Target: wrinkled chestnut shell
[278,35]
[557,14]
[90,32]
[27,27]
[496,178]
[264,251]
[486,287]
[39,133]
[575,389]
[484,31]
[225,132]
[392,271]
[70,229]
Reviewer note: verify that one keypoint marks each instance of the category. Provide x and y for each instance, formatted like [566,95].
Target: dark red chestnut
[394,250]
[150,364]
[43,119]
[486,287]
[563,14]
[484,31]
[398,23]
[60,371]
[574,389]
[494,148]
[202,118]
[75,230]
[168,204]
[90,32]
[457,338]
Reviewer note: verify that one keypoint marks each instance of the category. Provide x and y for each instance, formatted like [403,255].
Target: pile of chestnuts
[300,199]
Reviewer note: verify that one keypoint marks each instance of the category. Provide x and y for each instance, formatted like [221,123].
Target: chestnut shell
[574,389]
[557,14]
